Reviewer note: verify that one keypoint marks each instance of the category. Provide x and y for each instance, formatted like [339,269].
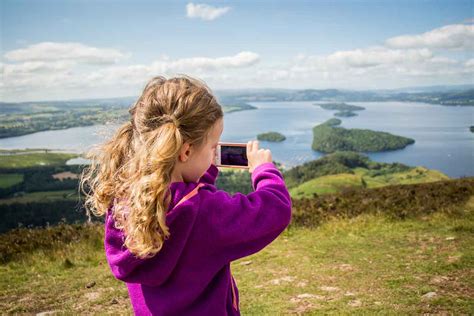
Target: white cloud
[31,67]
[204,11]
[455,36]
[242,59]
[469,63]
[371,67]
[52,51]
[195,65]
[377,55]
[31,74]
[371,57]
[36,77]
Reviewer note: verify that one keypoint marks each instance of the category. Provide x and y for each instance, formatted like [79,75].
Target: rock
[345,267]
[429,295]
[452,259]
[92,295]
[90,284]
[355,303]
[439,279]
[301,309]
[46,313]
[114,301]
[308,295]
[285,279]
[329,288]
[450,238]
[299,298]
[245,263]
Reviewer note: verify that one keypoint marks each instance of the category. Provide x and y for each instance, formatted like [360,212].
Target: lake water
[442,137]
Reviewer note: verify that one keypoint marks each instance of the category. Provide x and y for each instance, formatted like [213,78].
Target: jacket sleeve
[210,175]
[241,225]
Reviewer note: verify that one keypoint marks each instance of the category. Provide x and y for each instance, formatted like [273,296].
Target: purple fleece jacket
[191,274]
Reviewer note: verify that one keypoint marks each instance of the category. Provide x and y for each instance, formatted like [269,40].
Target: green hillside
[355,168]
[363,178]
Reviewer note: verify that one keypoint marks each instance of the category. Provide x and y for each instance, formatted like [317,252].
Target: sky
[64,49]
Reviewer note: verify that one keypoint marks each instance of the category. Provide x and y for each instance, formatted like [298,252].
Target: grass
[326,184]
[10,179]
[34,159]
[46,196]
[364,265]
[418,174]
[337,182]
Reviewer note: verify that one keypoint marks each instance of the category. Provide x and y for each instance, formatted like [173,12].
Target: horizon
[261,45]
[250,90]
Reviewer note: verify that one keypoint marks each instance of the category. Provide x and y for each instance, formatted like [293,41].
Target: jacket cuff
[213,171]
[260,168]
[210,175]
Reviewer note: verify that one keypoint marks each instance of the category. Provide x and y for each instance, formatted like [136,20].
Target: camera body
[232,155]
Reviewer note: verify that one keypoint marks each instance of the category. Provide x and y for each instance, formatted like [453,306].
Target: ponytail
[98,179]
[149,179]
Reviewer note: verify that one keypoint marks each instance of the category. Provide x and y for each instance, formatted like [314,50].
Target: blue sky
[70,49]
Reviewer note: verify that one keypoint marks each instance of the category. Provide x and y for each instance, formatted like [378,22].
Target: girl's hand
[213,157]
[257,156]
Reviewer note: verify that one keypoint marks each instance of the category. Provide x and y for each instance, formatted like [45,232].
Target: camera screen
[234,155]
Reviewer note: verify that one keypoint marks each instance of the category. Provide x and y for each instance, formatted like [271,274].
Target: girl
[170,234]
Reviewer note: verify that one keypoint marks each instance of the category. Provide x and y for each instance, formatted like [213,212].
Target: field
[9,179]
[27,159]
[46,196]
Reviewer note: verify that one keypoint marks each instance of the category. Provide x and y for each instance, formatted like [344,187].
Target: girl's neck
[176,177]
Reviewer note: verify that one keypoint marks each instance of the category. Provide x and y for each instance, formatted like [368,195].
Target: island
[345,114]
[471,128]
[328,138]
[230,108]
[340,106]
[343,109]
[271,137]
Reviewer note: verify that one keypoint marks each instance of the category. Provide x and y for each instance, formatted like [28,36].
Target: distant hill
[462,95]
[18,119]
[440,94]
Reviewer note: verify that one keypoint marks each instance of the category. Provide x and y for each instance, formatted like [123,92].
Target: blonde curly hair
[133,168]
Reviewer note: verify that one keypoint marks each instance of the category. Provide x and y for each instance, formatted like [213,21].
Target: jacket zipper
[234,297]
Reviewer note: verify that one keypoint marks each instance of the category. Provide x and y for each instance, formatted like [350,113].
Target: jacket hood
[180,220]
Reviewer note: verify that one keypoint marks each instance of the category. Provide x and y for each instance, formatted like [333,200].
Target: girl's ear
[185,152]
